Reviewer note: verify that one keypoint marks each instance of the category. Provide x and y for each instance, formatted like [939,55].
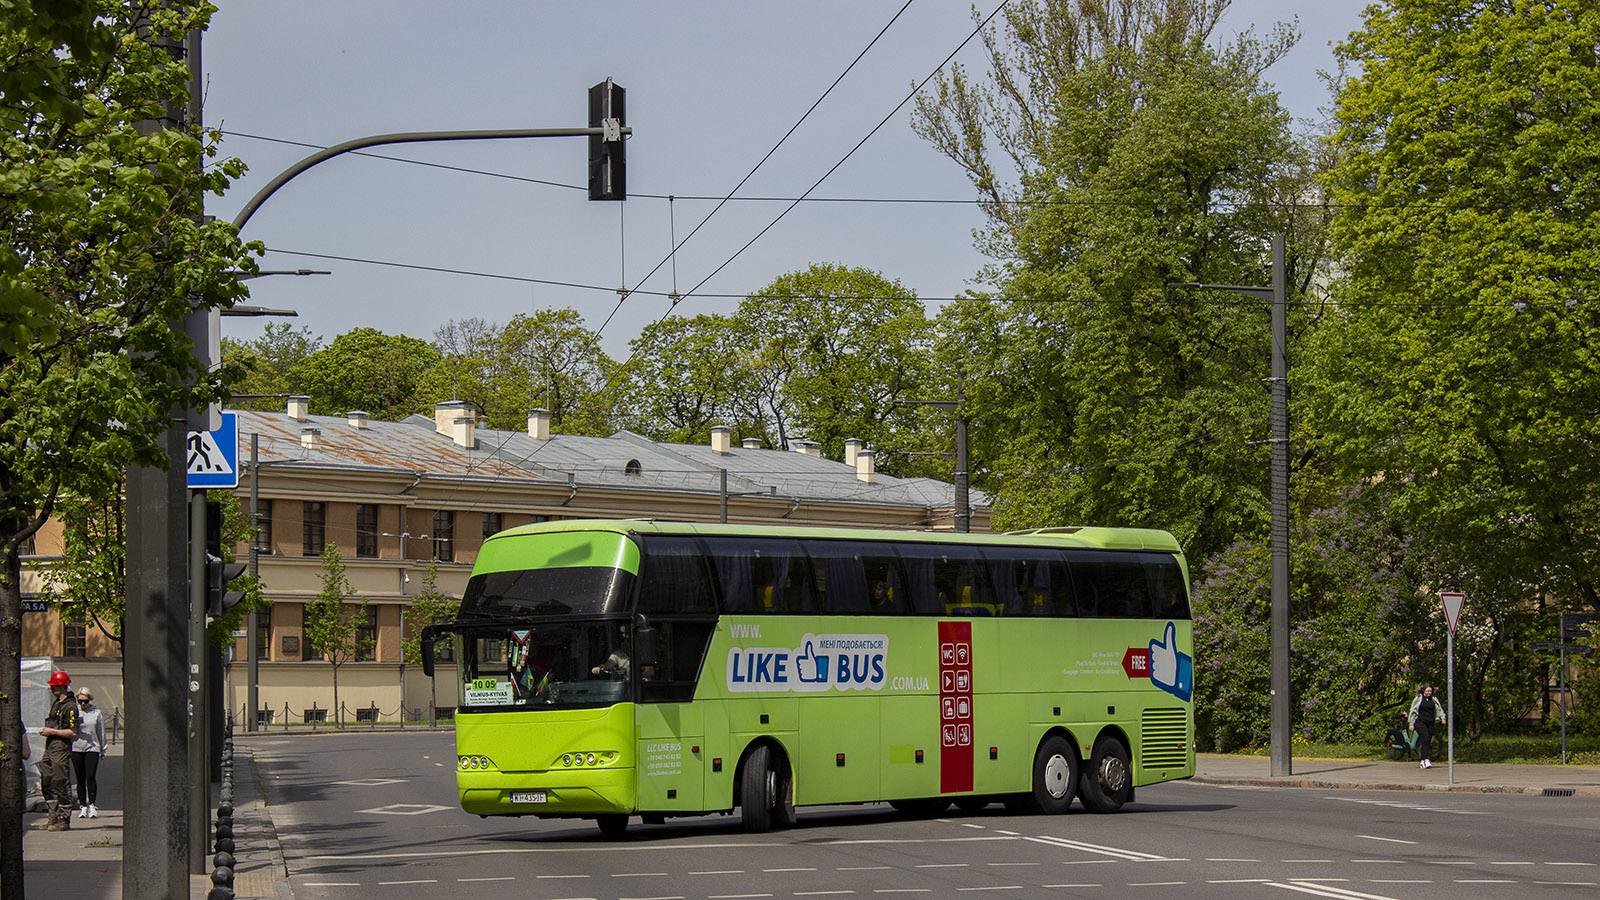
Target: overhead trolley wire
[672,254]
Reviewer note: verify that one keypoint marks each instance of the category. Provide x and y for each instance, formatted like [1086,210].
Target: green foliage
[430,606]
[366,369]
[265,363]
[333,626]
[1458,368]
[1144,156]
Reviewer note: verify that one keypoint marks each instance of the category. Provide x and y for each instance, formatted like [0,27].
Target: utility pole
[156,858]
[1277,293]
[962,499]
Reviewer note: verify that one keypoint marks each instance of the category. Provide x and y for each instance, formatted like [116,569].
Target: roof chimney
[721,439]
[809,448]
[311,438]
[358,418]
[444,415]
[751,443]
[866,467]
[464,430]
[299,407]
[852,446]
[539,424]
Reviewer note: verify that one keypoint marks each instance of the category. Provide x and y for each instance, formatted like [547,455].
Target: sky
[712,87]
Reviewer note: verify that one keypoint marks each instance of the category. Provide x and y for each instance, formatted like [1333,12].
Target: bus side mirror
[644,643]
[430,636]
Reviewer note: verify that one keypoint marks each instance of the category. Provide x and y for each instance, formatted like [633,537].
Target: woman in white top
[86,753]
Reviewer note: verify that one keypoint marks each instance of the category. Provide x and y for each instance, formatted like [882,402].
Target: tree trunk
[13,788]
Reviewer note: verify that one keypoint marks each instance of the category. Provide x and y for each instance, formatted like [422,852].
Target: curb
[1393,786]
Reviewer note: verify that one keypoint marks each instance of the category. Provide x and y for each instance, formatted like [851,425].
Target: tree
[89,584]
[839,347]
[267,361]
[385,375]
[681,379]
[430,606]
[335,629]
[1143,155]
[105,246]
[549,360]
[1457,373]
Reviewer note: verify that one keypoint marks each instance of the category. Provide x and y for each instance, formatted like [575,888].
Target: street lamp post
[1282,711]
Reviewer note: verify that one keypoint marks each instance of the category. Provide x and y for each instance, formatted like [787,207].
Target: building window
[367,634]
[366,529]
[263,633]
[313,529]
[444,526]
[74,636]
[534,520]
[491,525]
[264,526]
[306,650]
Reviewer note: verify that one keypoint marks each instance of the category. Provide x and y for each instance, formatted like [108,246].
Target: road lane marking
[996,887]
[820,893]
[1306,860]
[1379,862]
[862,868]
[419,881]
[638,874]
[1071,885]
[1085,847]
[1486,881]
[1014,864]
[1569,864]
[561,876]
[1450,862]
[720,872]
[1510,863]
[1568,883]
[735,896]
[941,865]
[1155,883]
[1323,890]
[1237,880]
[1229,859]
[811,869]
[1401,880]
[1373,837]
[495,878]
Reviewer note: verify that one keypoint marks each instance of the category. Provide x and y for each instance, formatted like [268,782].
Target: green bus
[608,669]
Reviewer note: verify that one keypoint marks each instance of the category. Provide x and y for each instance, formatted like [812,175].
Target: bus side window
[841,578]
[1111,585]
[674,578]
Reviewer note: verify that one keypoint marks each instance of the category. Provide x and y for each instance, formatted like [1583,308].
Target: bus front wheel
[1055,776]
[1107,781]
[758,790]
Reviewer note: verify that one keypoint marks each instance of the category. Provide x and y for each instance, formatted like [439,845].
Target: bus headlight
[566,759]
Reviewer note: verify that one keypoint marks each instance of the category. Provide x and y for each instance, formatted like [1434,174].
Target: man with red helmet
[55,769]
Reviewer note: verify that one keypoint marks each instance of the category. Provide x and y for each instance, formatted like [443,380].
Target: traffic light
[607,164]
[218,573]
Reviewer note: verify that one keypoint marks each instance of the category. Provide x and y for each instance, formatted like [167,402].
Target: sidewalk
[86,862]
[1385,775]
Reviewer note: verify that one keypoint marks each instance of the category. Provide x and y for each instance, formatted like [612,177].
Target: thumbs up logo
[1170,670]
[809,667]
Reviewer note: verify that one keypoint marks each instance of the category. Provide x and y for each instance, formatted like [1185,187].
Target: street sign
[1557,646]
[1452,601]
[1544,645]
[214,455]
[1569,620]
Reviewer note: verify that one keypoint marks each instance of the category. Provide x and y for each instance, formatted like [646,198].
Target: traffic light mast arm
[410,137]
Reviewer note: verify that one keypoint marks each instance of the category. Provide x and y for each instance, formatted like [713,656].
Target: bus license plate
[527,797]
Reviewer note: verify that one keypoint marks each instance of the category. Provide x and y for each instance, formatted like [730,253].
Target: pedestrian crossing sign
[214,455]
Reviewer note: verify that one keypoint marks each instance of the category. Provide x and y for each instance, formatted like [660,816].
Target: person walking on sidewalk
[86,753]
[55,768]
[1425,715]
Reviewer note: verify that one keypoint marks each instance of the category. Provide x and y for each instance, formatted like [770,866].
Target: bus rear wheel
[758,790]
[1055,776]
[1107,783]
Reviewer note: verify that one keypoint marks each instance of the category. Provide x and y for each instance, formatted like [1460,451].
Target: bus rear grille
[1165,738]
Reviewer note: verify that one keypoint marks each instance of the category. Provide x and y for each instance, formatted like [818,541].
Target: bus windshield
[534,664]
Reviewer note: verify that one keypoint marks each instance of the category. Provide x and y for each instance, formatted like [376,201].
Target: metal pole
[253,661]
[1563,683]
[1450,701]
[1282,710]
[155,793]
[724,477]
[963,507]
[199,784]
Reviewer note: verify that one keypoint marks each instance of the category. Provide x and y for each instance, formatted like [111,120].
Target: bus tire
[1055,775]
[612,825]
[1107,780]
[757,790]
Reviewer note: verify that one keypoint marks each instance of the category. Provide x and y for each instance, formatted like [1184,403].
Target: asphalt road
[374,815]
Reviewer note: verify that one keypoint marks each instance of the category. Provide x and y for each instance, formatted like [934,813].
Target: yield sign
[1452,607]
